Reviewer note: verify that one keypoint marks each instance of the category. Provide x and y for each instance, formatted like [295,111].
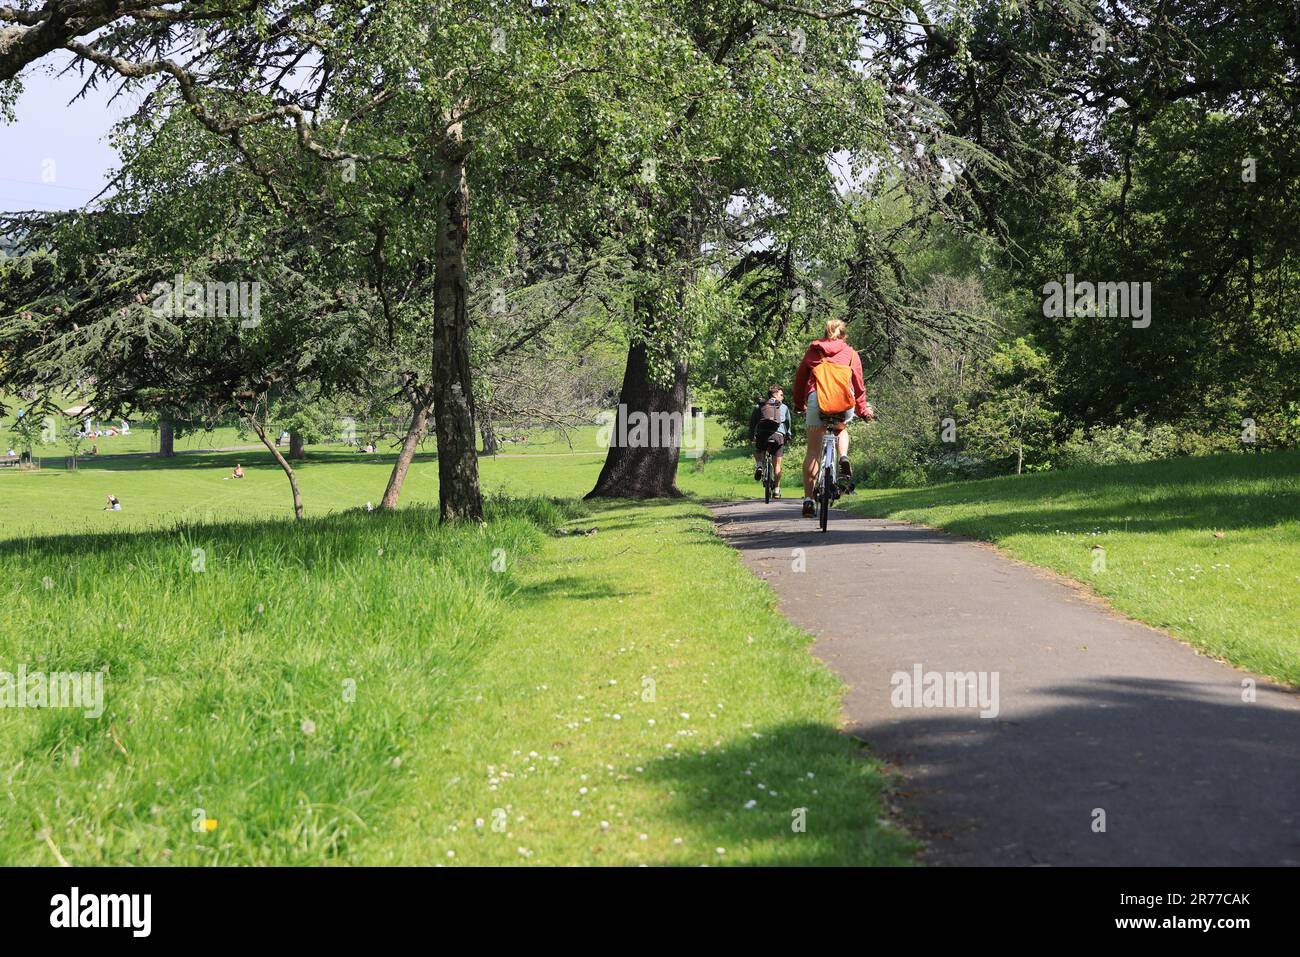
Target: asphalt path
[1102,742]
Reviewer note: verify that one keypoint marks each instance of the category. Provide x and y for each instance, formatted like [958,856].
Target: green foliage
[28,430]
[1014,421]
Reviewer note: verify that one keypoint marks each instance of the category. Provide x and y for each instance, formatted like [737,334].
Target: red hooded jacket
[829,350]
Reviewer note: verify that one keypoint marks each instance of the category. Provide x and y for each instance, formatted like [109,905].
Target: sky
[56,155]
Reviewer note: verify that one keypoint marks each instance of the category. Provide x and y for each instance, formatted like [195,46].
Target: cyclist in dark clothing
[769,426]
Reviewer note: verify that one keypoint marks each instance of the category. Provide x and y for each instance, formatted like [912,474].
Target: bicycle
[829,487]
[769,473]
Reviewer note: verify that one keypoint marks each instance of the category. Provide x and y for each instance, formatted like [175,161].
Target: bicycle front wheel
[824,502]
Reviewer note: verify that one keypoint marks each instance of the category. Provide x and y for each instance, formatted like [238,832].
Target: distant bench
[10,459]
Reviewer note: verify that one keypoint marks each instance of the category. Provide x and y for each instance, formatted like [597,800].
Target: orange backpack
[834,384]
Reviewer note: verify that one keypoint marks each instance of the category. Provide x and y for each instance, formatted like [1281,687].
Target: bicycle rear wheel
[824,499]
[767,477]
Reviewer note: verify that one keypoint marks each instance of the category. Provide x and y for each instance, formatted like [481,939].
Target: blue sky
[52,139]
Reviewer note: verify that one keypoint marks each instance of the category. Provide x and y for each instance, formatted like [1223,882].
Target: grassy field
[376,689]
[195,487]
[372,688]
[1208,548]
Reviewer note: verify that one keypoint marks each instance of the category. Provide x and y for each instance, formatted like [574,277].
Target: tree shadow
[1185,773]
[565,588]
[746,798]
[257,458]
[1156,497]
[305,538]
[747,528]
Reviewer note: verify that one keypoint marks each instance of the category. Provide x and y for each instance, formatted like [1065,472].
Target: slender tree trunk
[488,433]
[297,446]
[414,432]
[166,442]
[459,497]
[1020,458]
[284,464]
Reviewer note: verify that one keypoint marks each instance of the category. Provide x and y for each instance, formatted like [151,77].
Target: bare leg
[776,469]
[810,461]
[842,441]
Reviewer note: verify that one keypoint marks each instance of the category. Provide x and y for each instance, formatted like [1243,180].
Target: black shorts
[770,441]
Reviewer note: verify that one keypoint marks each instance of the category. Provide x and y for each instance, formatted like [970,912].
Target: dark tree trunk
[635,468]
[488,433]
[641,469]
[415,431]
[284,464]
[297,446]
[166,442]
[459,497]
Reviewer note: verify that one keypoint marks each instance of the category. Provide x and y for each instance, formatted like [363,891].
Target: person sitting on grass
[113,504]
[239,471]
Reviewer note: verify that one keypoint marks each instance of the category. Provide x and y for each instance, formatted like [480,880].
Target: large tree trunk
[459,497]
[639,463]
[420,406]
[166,441]
[284,464]
[297,446]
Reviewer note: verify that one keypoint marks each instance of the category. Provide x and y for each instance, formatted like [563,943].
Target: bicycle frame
[769,474]
[827,477]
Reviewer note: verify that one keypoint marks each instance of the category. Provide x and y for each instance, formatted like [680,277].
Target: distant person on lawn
[113,504]
[769,425]
[239,471]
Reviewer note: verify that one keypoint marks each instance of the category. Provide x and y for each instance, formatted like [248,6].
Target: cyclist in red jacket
[833,348]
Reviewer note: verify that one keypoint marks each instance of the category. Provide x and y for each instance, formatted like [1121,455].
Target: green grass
[652,693]
[1235,596]
[156,493]
[365,688]
[368,688]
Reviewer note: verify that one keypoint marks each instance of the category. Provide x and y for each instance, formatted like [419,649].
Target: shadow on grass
[566,588]
[283,534]
[1186,773]
[746,798]
[332,536]
[1164,496]
[257,457]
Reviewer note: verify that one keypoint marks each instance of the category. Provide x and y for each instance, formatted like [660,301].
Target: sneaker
[758,473]
[845,470]
[776,492]
[809,508]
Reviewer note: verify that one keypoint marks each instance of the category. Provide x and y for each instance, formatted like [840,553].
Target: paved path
[1095,711]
